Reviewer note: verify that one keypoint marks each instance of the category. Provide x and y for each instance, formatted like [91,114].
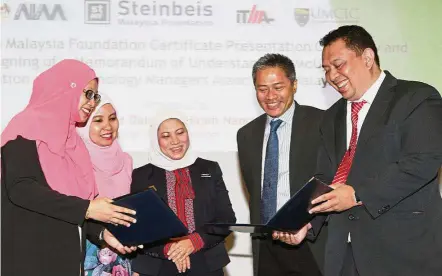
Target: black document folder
[291,217]
[155,220]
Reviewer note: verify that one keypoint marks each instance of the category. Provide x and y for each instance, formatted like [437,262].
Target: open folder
[291,217]
[155,220]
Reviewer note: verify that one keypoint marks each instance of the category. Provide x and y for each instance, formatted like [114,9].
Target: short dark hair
[355,37]
[275,60]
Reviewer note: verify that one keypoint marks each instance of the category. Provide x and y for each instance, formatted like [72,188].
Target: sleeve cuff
[166,249]
[197,241]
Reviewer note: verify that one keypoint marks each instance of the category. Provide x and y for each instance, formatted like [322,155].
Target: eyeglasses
[92,95]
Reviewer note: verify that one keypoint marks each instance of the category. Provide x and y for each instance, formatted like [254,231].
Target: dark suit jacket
[398,229]
[303,155]
[211,204]
[39,225]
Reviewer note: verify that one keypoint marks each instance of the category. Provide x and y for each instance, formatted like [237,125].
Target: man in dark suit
[277,154]
[381,150]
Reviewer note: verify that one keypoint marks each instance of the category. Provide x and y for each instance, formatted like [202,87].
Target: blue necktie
[270,182]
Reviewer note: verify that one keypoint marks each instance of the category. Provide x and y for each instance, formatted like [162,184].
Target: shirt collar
[286,117]
[372,91]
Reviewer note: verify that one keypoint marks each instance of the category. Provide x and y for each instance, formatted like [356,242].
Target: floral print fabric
[105,262]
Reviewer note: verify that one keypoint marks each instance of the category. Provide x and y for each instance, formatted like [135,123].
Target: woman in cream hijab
[194,189]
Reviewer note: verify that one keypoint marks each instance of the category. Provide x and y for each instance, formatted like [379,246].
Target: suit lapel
[376,115]
[255,139]
[159,176]
[295,164]
[199,189]
[256,144]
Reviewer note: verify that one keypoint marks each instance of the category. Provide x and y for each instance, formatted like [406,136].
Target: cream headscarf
[156,156]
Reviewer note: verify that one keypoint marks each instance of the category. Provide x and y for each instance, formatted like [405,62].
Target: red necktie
[345,165]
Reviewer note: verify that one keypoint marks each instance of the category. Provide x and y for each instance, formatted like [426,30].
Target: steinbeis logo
[97,11]
[153,13]
[154,9]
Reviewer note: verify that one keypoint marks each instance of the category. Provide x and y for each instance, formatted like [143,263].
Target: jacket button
[351,217]
[380,212]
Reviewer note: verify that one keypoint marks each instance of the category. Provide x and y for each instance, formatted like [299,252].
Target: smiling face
[104,126]
[86,106]
[274,91]
[347,71]
[173,138]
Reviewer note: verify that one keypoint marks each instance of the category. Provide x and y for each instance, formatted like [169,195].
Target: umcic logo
[253,16]
[97,11]
[29,11]
[302,16]
[321,15]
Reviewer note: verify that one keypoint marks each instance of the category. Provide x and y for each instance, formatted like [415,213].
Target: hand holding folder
[291,217]
[292,238]
[155,220]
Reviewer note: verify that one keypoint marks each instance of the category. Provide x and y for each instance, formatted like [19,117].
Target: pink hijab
[112,166]
[49,119]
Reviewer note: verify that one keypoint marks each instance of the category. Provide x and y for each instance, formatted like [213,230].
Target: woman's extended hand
[102,209]
[114,243]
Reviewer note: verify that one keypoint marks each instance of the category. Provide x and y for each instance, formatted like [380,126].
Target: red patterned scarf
[180,196]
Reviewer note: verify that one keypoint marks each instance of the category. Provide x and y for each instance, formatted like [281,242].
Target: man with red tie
[381,150]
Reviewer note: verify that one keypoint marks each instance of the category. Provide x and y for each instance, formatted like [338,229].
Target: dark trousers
[191,273]
[198,267]
[349,267]
[172,272]
[279,259]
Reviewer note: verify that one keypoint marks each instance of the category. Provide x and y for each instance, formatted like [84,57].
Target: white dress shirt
[369,98]
[284,133]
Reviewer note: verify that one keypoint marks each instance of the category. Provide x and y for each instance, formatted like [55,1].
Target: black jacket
[394,173]
[304,145]
[40,234]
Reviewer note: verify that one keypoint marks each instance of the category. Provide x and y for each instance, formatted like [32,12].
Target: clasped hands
[340,199]
[179,253]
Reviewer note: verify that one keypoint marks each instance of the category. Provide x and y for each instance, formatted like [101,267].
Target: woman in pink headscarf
[48,185]
[113,174]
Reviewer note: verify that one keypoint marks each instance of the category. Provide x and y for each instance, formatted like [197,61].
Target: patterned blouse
[180,196]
